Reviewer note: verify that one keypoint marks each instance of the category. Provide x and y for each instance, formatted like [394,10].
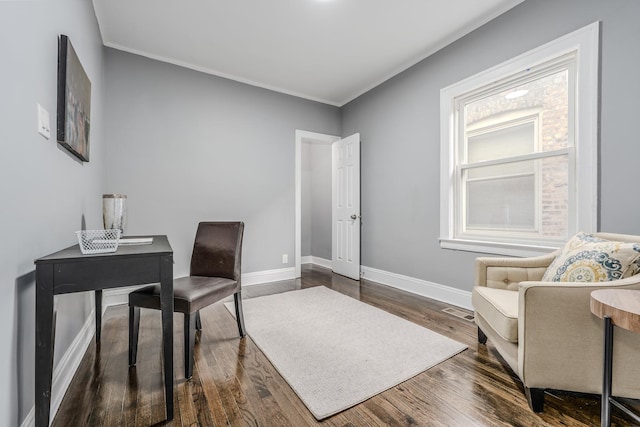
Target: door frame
[302,136]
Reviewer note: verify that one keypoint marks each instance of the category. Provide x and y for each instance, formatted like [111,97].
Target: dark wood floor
[234,383]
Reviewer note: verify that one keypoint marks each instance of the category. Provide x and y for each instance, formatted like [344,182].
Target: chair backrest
[217,250]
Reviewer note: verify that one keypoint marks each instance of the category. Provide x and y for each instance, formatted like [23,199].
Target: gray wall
[187,147]
[46,193]
[400,129]
[316,199]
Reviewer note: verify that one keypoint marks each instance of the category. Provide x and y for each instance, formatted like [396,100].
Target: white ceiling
[330,51]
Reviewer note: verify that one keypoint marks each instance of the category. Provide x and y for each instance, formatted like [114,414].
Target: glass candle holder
[114,211]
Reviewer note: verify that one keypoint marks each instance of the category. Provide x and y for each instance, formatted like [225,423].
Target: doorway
[307,144]
[338,204]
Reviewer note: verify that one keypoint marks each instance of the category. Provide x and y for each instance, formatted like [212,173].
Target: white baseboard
[70,361]
[66,369]
[267,276]
[410,284]
[117,296]
[30,419]
[424,288]
[111,297]
[326,263]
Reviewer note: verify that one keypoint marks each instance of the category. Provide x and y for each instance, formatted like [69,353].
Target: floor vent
[459,313]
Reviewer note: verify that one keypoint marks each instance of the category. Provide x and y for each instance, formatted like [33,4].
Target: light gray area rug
[335,351]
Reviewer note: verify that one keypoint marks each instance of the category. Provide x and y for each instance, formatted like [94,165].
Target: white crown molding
[221,74]
[441,45]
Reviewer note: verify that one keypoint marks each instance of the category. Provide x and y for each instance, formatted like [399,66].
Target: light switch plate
[43,122]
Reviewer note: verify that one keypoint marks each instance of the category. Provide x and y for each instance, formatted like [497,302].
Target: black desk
[69,271]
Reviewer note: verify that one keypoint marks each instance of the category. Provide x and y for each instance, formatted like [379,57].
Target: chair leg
[535,397]
[134,327]
[237,297]
[482,338]
[198,321]
[189,341]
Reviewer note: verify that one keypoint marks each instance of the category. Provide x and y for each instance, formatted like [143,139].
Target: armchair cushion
[499,307]
[586,258]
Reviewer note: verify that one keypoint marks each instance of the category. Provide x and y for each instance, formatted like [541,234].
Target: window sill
[496,248]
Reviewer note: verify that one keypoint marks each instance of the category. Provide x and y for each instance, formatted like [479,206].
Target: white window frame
[583,169]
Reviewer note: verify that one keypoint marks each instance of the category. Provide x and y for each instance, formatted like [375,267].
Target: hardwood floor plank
[234,384]
[225,348]
[118,373]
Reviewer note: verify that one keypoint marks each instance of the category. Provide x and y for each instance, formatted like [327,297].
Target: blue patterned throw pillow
[587,258]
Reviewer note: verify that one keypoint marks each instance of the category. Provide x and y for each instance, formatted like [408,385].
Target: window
[519,151]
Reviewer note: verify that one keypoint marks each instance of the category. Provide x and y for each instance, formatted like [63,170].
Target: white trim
[118,296]
[420,287]
[70,361]
[442,43]
[495,248]
[513,159]
[30,419]
[322,262]
[472,26]
[66,369]
[220,74]
[415,286]
[68,365]
[300,137]
[584,41]
[266,276]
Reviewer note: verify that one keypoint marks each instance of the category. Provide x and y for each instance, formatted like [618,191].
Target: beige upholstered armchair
[545,330]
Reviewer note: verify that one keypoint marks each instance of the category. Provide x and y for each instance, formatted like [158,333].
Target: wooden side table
[621,308]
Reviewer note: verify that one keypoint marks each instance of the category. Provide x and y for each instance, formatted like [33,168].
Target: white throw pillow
[586,258]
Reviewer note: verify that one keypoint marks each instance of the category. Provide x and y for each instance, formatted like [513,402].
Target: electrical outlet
[285,258]
[43,122]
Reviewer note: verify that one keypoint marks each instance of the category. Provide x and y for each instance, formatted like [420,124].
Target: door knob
[354,216]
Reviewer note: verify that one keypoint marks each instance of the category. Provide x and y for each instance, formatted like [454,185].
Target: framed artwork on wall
[74,101]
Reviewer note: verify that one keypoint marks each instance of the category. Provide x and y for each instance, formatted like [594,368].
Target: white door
[345,169]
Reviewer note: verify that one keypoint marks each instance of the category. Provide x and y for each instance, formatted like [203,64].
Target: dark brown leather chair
[214,275]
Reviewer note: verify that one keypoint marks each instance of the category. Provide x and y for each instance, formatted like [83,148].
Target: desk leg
[45,331]
[605,409]
[166,305]
[98,299]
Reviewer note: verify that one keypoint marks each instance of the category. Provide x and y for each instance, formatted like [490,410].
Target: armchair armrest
[506,273]
[560,341]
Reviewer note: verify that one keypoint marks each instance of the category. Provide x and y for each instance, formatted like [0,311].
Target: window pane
[554,197]
[545,100]
[502,203]
[500,143]
[528,196]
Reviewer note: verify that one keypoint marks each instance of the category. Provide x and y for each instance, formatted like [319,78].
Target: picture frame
[74,101]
